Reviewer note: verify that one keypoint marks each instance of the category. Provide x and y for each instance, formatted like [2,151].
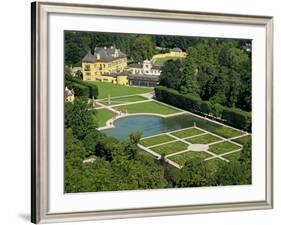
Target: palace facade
[110,65]
[103,63]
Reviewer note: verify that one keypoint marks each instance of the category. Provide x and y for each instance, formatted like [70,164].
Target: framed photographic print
[146,112]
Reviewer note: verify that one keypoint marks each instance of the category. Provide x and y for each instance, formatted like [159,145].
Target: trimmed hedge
[93,89]
[237,117]
[177,99]
[79,90]
[232,116]
[82,88]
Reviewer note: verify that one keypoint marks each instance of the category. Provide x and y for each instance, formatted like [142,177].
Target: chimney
[98,56]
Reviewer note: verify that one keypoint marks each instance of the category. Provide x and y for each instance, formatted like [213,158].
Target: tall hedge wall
[237,116]
[82,88]
[232,116]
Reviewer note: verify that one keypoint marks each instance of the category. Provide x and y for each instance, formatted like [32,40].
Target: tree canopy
[137,47]
[216,70]
[116,166]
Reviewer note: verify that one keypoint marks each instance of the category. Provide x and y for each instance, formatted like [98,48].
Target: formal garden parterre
[221,142]
[174,146]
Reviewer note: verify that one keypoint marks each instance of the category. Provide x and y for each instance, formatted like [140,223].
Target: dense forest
[121,166]
[138,47]
[218,71]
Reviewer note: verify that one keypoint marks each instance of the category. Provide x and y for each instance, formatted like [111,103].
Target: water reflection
[148,125]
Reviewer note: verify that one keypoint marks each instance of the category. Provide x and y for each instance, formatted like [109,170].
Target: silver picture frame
[40,104]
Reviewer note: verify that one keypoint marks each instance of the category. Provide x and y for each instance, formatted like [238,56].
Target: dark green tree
[141,48]
[232,173]
[90,142]
[80,117]
[131,148]
[246,160]
[108,147]
[75,153]
[189,84]
[171,75]
[195,173]
[76,46]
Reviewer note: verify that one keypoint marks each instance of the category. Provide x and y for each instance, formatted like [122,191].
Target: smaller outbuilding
[69,95]
[147,67]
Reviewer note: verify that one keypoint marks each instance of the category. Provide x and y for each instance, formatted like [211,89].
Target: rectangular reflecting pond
[152,125]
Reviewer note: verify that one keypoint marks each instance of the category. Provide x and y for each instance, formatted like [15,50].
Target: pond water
[148,125]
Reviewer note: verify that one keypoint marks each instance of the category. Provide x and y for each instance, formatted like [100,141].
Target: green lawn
[187,132]
[156,140]
[161,61]
[115,101]
[148,107]
[227,132]
[170,148]
[203,139]
[243,140]
[102,116]
[182,158]
[233,156]
[106,89]
[223,147]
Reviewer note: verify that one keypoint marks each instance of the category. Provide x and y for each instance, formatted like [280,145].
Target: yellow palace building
[106,65]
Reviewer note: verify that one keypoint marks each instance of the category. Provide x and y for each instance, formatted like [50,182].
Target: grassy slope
[161,61]
[148,107]
[102,116]
[118,90]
